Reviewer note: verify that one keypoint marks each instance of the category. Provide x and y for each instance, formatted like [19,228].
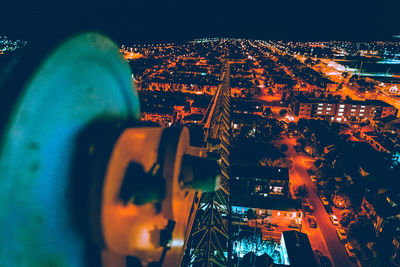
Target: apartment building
[341,110]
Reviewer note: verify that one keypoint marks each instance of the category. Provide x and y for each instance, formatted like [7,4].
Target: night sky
[174,20]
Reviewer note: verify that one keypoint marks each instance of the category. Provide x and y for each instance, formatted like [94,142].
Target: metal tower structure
[209,242]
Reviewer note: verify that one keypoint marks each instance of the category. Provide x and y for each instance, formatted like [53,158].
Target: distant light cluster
[7,45]
[383,49]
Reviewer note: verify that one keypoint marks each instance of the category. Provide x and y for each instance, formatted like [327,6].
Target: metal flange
[147,197]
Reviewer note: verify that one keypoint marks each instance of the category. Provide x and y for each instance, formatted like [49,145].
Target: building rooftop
[259,202]
[298,249]
[286,80]
[157,110]
[260,172]
[388,119]
[201,102]
[249,106]
[194,117]
[247,118]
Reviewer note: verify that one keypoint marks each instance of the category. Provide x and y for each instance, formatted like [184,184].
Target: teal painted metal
[83,80]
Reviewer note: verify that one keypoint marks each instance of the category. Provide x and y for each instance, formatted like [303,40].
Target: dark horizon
[177,20]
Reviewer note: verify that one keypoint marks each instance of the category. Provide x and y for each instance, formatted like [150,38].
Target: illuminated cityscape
[310,121]
[212,134]
[7,45]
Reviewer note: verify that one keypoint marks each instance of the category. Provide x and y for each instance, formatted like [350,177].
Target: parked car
[334,219]
[312,222]
[341,233]
[350,250]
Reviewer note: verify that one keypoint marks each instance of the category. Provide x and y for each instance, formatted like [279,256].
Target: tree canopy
[362,230]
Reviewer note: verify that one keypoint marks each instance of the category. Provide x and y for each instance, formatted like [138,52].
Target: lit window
[319,112]
[279,213]
[362,106]
[342,106]
[362,110]
[353,109]
[340,114]
[328,108]
[341,110]
[319,108]
[320,104]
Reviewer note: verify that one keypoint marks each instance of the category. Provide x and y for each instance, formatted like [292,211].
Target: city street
[299,176]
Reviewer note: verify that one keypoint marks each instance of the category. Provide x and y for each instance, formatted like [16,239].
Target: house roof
[367,128]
